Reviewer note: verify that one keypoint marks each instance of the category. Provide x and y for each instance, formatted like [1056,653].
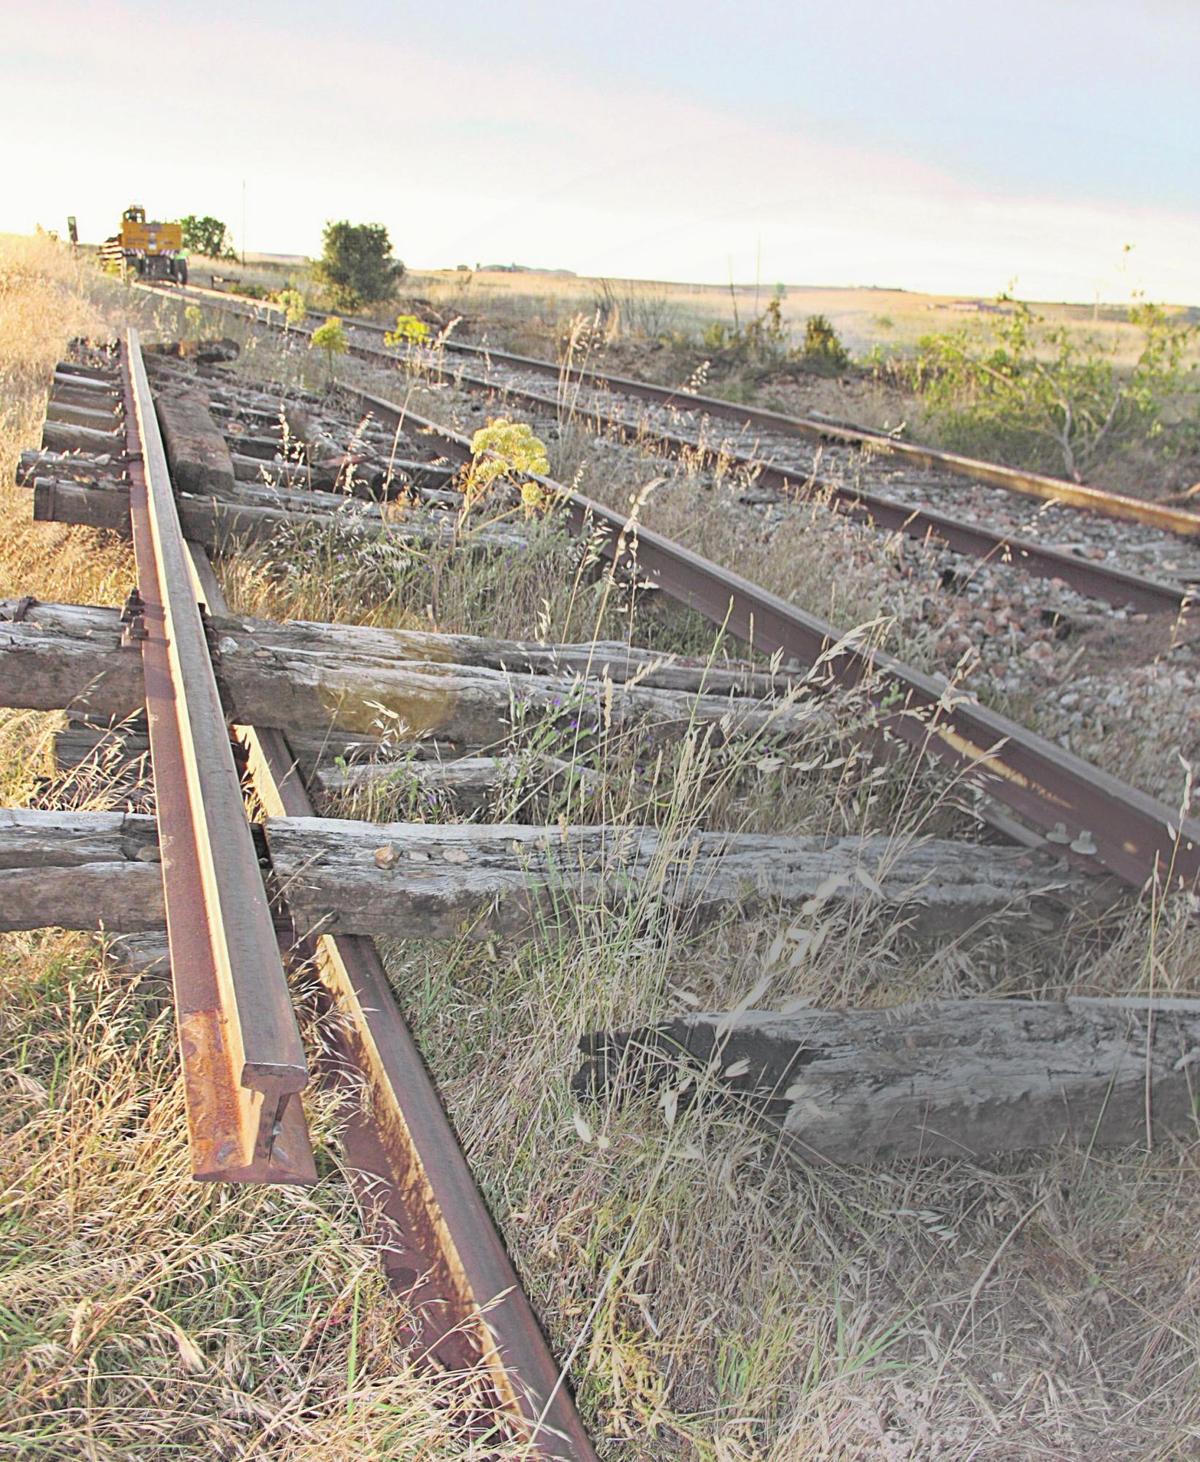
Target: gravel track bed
[1018,643]
[1135,547]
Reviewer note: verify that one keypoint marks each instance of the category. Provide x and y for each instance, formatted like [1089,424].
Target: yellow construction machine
[149,250]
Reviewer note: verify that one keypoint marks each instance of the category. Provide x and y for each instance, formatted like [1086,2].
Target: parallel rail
[1097,581]
[1031,484]
[974,541]
[243,1061]
[1097,819]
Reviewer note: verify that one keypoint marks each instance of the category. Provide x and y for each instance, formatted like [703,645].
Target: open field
[716,1303]
[543,301]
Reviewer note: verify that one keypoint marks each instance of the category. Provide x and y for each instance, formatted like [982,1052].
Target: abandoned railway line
[198,465]
[1118,550]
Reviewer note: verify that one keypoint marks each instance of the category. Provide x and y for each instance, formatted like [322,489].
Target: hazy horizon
[939,150]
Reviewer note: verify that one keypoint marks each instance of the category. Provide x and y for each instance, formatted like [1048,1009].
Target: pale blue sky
[933,145]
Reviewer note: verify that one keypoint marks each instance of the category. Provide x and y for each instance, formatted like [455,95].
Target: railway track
[1100,544]
[330,884]
[1051,792]
[243,1062]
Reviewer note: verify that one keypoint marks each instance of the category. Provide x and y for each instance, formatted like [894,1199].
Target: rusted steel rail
[1030,484]
[1095,580]
[1099,821]
[441,1250]
[1033,484]
[243,1061]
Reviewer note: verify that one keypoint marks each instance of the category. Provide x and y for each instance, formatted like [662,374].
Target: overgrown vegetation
[505,450]
[331,339]
[408,330]
[765,343]
[718,1305]
[1042,395]
[293,305]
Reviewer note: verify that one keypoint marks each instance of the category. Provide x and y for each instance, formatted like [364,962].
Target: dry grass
[895,318]
[848,574]
[143,1315]
[718,1304]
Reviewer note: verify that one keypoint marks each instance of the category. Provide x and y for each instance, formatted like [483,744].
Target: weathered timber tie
[946,1079]
[253,515]
[320,678]
[430,881]
[418,880]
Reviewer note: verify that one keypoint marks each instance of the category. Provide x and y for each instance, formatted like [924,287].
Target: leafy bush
[1038,395]
[357,267]
[823,351]
[764,341]
[761,341]
[207,235]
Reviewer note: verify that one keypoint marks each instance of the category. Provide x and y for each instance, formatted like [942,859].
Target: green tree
[331,338]
[357,267]
[207,236]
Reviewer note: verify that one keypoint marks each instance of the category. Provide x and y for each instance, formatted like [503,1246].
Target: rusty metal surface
[1097,580]
[1111,585]
[1133,835]
[243,1062]
[440,1249]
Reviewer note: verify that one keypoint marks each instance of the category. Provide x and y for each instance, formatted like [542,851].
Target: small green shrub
[409,331]
[331,338]
[763,342]
[506,449]
[822,350]
[292,303]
